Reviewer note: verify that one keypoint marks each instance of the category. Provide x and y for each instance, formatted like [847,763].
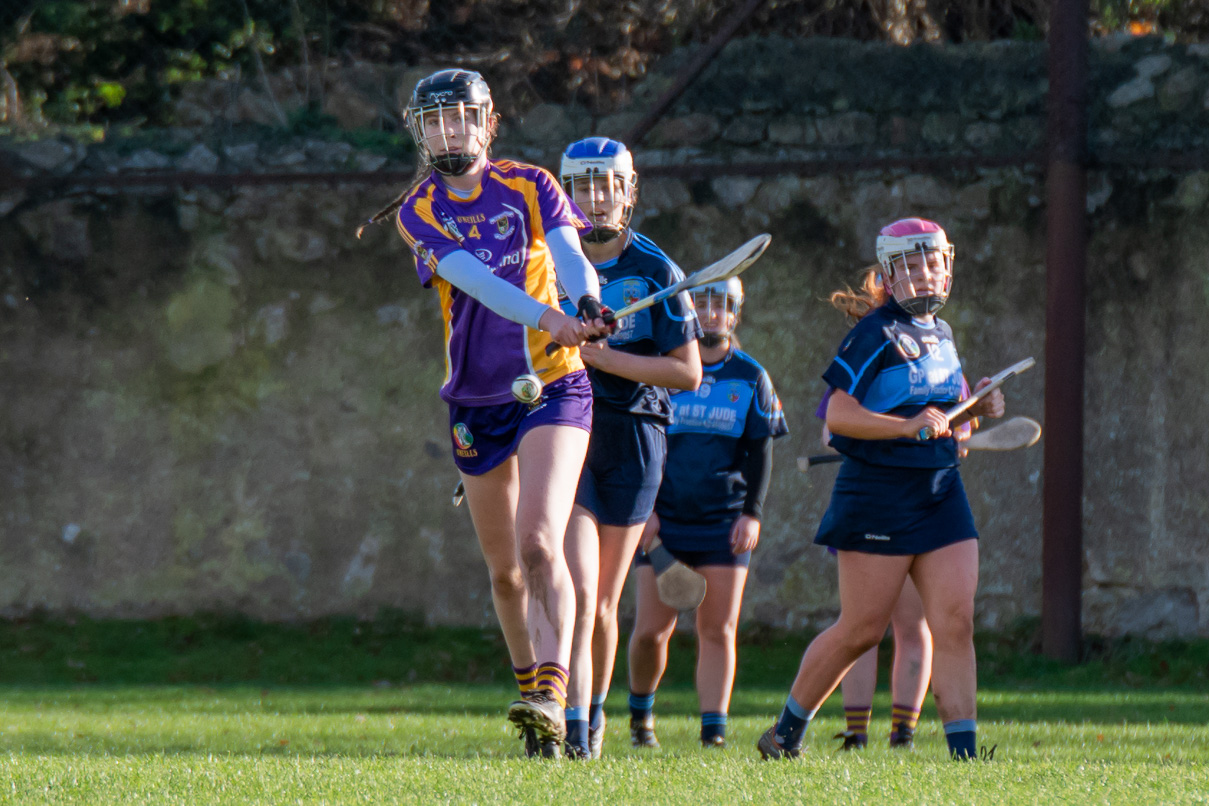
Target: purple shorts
[485,436]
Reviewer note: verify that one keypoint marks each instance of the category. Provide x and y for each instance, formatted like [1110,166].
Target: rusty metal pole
[1066,264]
[688,75]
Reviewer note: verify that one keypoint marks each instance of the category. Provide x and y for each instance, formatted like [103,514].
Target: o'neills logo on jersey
[504,225]
[907,346]
[422,253]
[463,439]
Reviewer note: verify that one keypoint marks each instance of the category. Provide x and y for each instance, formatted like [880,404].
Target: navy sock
[713,723]
[962,736]
[641,705]
[577,726]
[792,724]
[596,711]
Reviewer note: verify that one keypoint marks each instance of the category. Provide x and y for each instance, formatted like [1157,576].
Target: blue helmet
[610,165]
[446,90]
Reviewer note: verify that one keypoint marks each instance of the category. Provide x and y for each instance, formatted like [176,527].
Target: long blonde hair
[870,294]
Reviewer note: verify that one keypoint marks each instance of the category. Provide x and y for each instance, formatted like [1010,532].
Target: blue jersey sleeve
[673,321]
[764,416]
[859,360]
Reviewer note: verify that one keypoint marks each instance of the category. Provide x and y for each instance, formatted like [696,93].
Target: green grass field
[83,721]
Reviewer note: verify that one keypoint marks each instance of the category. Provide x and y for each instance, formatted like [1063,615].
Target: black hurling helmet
[445,91]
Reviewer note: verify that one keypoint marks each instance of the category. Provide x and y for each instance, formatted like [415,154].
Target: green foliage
[101,61]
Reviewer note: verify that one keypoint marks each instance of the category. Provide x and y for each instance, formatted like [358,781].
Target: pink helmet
[906,237]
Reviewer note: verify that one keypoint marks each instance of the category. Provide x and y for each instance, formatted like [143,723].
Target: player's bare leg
[869,588]
[717,626]
[583,561]
[857,690]
[492,498]
[653,628]
[912,665]
[617,547]
[550,459]
[947,580]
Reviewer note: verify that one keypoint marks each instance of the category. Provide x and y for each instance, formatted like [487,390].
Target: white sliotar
[527,389]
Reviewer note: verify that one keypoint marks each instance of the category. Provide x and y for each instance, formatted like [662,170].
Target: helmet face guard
[911,245]
[600,172]
[726,295]
[451,118]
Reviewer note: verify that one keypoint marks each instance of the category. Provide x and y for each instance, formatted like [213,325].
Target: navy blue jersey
[892,364]
[703,482]
[640,270]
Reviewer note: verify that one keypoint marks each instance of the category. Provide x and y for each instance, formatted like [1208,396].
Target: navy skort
[896,510]
[696,544]
[623,469]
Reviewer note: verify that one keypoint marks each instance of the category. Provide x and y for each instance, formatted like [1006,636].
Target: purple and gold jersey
[504,224]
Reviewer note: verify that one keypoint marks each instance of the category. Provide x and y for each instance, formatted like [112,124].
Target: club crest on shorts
[462,436]
[504,225]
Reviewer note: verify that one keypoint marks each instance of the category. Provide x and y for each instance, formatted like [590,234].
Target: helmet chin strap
[714,339]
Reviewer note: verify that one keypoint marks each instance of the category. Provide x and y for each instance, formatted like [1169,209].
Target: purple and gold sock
[552,678]
[903,720]
[526,678]
[858,720]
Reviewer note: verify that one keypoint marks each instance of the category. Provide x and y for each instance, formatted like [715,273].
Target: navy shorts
[696,545]
[624,466]
[485,436]
[896,510]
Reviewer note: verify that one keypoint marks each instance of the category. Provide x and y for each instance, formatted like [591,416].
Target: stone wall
[217,398]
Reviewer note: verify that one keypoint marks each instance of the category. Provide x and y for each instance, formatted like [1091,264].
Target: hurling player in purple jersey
[495,239]
[652,351]
[898,507]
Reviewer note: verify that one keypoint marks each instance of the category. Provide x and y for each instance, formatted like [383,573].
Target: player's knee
[914,636]
[954,629]
[507,581]
[648,640]
[606,612]
[719,634]
[859,637]
[536,557]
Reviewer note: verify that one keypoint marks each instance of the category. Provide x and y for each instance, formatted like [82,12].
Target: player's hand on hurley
[649,532]
[990,406]
[931,418]
[744,535]
[566,330]
[597,318]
